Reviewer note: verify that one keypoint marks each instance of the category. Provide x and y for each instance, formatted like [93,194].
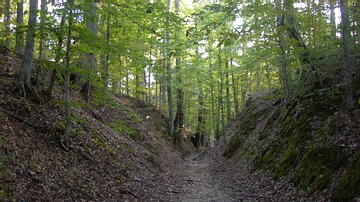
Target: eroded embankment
[313,143]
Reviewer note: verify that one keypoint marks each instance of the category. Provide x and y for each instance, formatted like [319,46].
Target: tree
[281,41]
[179,120]
[58,54]
[169,72]
[43,16]
[65,138]
[346,38]
[7,24]
[19,43]
[26,65]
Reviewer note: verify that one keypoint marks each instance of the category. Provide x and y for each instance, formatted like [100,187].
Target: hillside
[119,147]
[312,145]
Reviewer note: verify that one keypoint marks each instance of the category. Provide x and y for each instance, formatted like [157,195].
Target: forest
[220,100]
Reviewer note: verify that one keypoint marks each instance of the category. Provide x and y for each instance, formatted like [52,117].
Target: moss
[349,184]
[314,172]
[287,162]
[123,127]
[231,147]
[267,159]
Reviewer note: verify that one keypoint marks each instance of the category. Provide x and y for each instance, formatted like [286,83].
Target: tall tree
[281,42]
[7,24]
[19,43]
[169,72]
[346,38]
[91,19]
[179,120]
[26,65]
[58,54]
[65,138]
[43,13]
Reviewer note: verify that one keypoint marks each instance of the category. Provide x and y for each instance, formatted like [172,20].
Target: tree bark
[178,128]
[7,24]
[65,138]
[332,19]
[26,65]
[43,14]
[57,55]
[91,19]
[19,43]
[281,43]
[42,54]
[234,88]
[309,70]
[169,73]
[221,84]
[345,38]
[107,57]
[227,91]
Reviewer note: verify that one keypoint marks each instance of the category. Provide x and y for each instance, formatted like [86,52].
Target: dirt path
[211,178]
[200,182]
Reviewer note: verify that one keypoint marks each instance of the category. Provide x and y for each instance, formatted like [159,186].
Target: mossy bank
[314,137]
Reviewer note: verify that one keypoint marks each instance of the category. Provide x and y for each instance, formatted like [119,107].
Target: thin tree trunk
[309,70]
[234,88]
[180,94]
[43,13]
[65,138]
[332,19]
[169,73]
[42,55]
[281,43]
[220,103]
[7,24]
[199,134]
[26,65]
[19,43]
[57,55]
[346,37]
[127,83]
[149,78]
[227,90]
[107,57]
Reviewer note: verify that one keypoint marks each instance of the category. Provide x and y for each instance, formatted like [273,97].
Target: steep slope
[312,144]
[118,146]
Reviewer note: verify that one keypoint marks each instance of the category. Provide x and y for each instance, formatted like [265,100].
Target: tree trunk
[234,88]
[227,90]
[346,37]
[26,65]
[57,55]
[65,138]
[43,14]
[309,70]
[91,18]
[220,99]
[281,43]
[42,54]
[332,19]
[180,94]
[19,43]
[107,57]
[7,24]
[169,73]
[199,135]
